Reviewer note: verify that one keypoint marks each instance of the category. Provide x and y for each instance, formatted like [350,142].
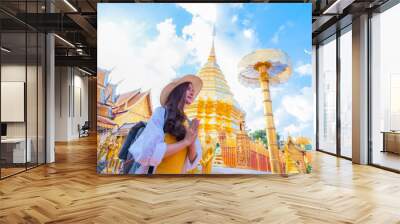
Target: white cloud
[307,52]
[256,124]
[237,5]
[289,23]
[234,18]
[276,90]
[275,38]
[304,69]
[300,106]
[293,129]
[198,37]
[157,58]
[248,33]
[207,11]
[246,22]
[279,116]
[125,33]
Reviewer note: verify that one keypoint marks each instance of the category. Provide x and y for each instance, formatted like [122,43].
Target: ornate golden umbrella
[260,69]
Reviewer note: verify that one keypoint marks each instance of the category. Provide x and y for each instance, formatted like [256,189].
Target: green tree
[259,135]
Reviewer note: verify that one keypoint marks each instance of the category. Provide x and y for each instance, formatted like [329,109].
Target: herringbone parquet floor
[70,191]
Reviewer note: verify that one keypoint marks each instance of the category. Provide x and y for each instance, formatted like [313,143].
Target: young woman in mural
[169,142]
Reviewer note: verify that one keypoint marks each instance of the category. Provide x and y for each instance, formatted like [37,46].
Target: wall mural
[204,88]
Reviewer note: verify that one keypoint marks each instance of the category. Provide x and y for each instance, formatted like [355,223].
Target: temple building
[119,111]
[105,101]
[295,158]
[222,118]
[116,115]
[132,107]
[215,106]
[243,152]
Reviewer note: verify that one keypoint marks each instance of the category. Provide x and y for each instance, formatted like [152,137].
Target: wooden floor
[10,171]
[70,191]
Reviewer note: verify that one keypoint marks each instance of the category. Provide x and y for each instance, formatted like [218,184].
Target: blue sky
[148,42]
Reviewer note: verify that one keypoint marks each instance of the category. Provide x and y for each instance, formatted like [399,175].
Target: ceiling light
[337,7]
[331,7]
[70,5]
[5,50]
[65,41]
[79,51]
[84,71]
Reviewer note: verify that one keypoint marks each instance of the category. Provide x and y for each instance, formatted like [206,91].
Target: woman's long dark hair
[175,114]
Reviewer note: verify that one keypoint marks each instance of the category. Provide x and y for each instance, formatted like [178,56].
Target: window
[385,89]
[346,92]
[327,95]
[22,76]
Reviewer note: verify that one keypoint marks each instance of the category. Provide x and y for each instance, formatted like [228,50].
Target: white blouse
[149,148]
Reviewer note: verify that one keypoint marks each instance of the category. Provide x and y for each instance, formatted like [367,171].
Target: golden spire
[211,57]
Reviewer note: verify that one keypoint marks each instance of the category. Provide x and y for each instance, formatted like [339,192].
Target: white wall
[80,110]
[12,73]
[61,103]
[71,102]
[33,126]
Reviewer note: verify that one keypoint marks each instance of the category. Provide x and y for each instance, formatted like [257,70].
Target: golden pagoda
[222,120]
[215,106]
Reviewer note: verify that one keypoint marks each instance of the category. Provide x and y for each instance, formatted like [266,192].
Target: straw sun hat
[195,80]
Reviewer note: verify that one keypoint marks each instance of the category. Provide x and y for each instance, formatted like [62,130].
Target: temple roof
[215,85]
[131,98]
[211,56]
[105,120]
[126,96]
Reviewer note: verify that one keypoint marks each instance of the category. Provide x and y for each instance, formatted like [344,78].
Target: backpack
[124,155]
